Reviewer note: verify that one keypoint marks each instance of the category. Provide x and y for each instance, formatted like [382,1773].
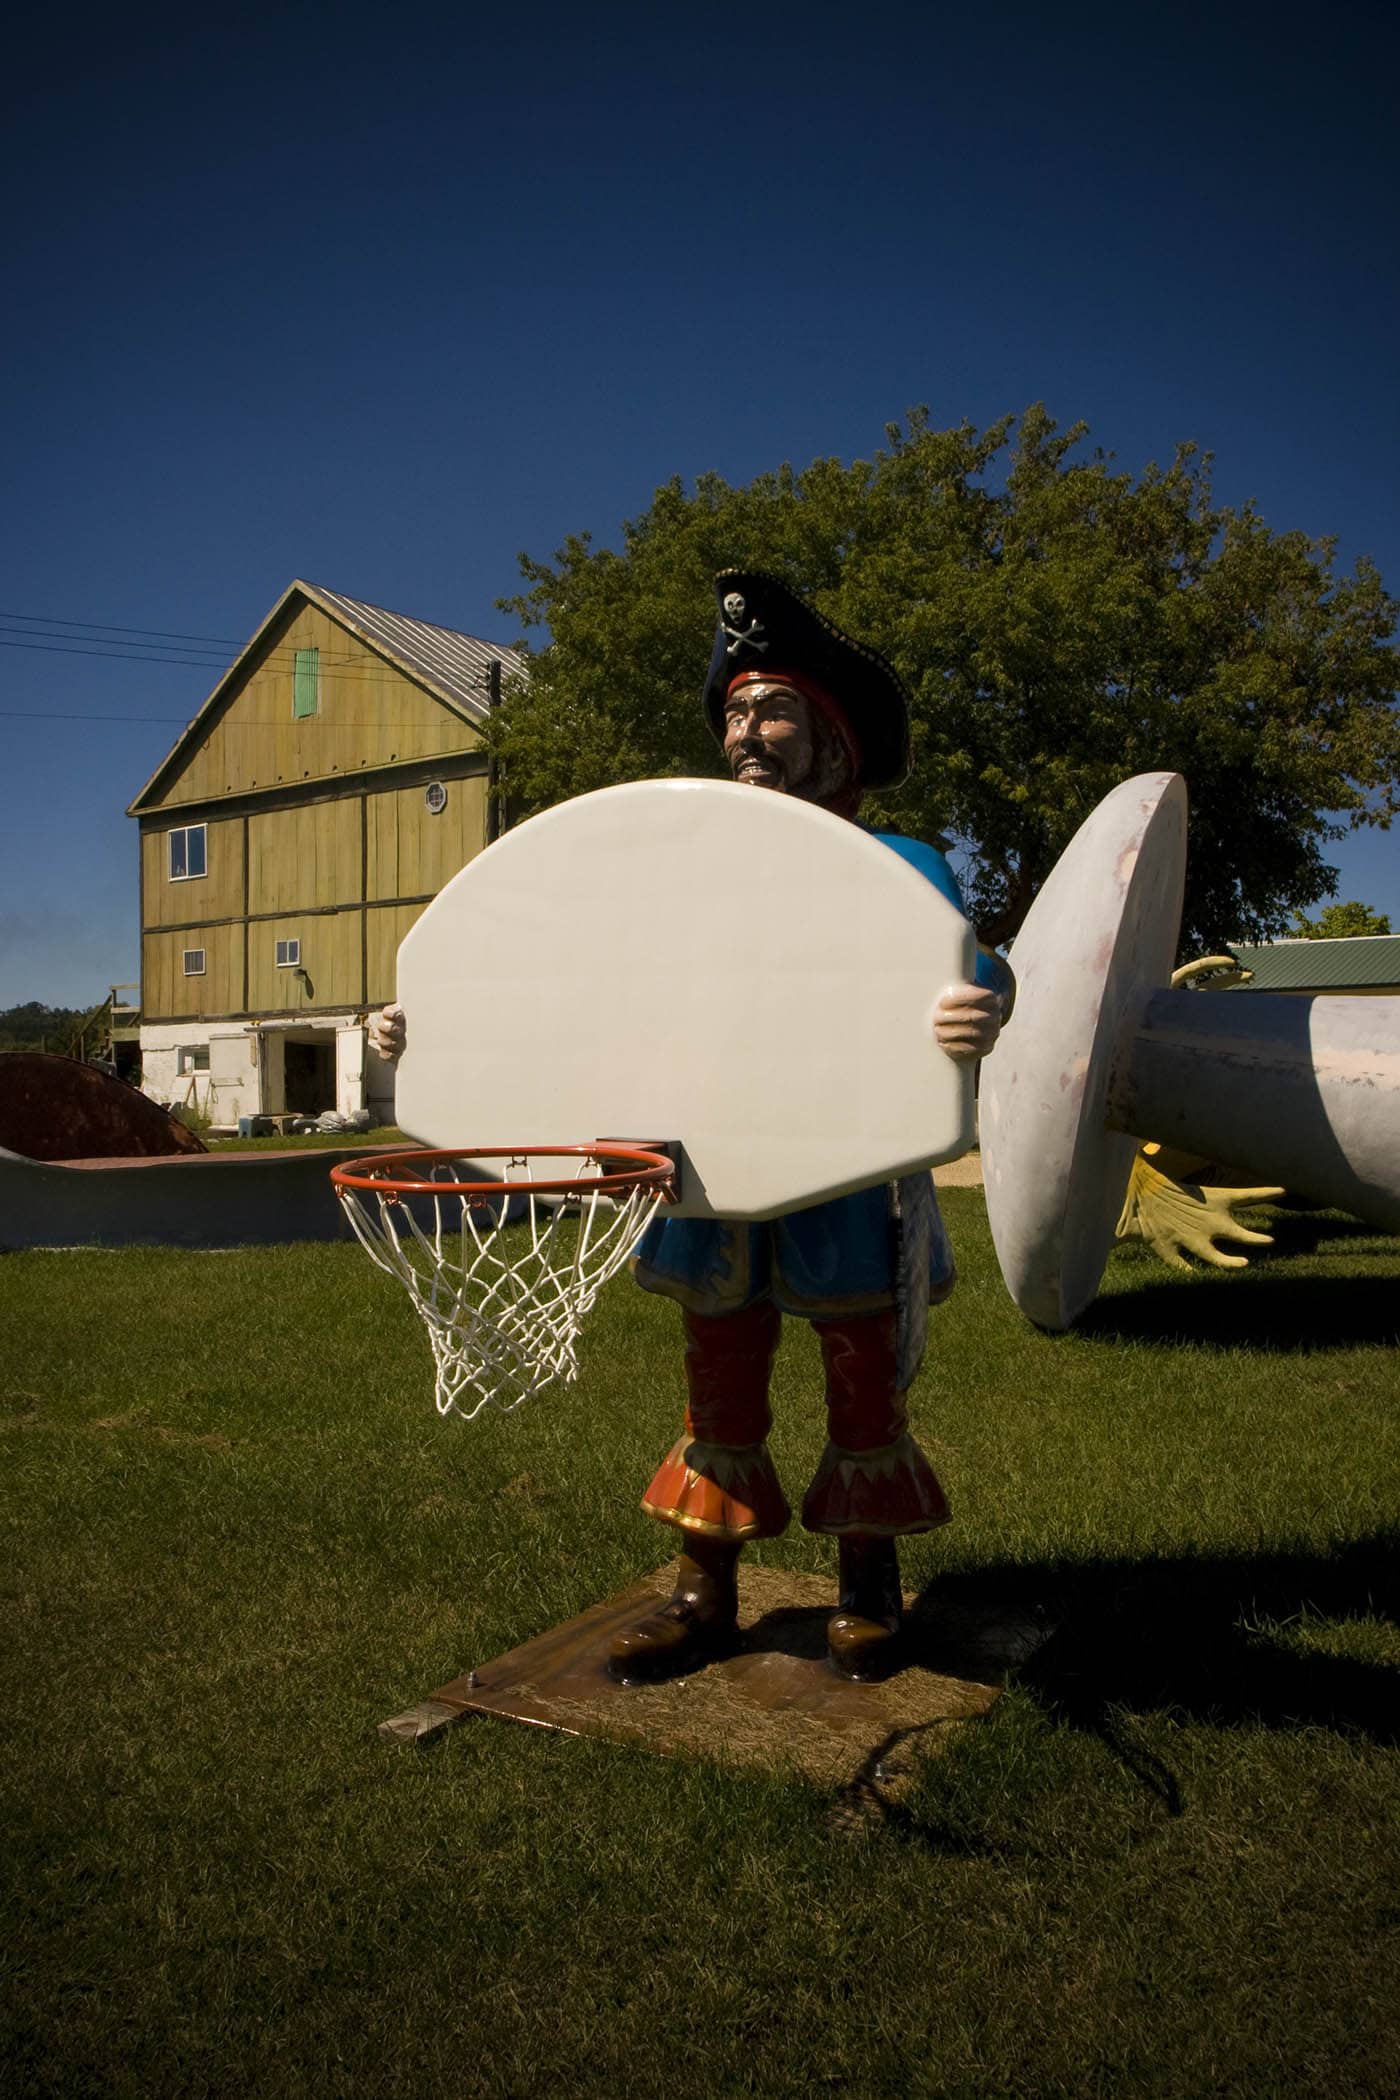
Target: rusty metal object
[56,1108]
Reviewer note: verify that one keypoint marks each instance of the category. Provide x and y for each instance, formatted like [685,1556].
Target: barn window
[194,962]
[194,1057]
[306,683]
[289,955]
[187,852]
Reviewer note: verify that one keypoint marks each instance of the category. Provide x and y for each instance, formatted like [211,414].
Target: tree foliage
[1340,922]
[1060,625]
[34,1026]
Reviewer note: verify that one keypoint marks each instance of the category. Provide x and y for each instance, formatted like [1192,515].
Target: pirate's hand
[388,1032]
[967,1021]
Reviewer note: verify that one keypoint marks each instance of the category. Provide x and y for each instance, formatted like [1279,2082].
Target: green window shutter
[306,683]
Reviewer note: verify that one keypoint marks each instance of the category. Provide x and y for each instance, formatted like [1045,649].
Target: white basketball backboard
[691,961]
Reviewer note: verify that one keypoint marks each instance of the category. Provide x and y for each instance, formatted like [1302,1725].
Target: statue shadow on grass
[1194,1637]
[1268,1306]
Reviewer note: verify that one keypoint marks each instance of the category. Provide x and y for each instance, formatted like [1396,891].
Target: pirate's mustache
[755,747]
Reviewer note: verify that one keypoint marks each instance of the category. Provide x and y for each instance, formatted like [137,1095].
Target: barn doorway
[308,1076]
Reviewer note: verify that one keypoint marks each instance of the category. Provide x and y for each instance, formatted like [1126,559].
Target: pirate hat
[765,626]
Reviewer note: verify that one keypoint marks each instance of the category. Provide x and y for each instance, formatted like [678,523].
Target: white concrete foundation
[226,1070]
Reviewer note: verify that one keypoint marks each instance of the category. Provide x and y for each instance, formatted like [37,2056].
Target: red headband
[826,704]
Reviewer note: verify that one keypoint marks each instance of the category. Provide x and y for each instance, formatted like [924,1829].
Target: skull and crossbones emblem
[733,611]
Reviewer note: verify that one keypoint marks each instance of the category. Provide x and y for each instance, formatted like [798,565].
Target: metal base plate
[775,1704]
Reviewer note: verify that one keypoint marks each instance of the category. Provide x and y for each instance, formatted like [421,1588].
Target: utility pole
[495,806]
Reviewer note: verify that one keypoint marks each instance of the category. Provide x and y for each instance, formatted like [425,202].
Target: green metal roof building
[1369,963]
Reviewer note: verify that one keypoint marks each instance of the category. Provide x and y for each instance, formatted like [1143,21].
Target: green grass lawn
[310,1140]
[237,1536]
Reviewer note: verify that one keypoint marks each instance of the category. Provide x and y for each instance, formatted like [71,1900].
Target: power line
[344,669]
[24,714]
[219,641]
[119,652]
[187,656]
[190,649]
[114,655]
[95,630]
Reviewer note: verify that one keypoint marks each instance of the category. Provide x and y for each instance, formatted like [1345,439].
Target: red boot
[873,1485]
[873,1480]
[718,1487]
[718,1481]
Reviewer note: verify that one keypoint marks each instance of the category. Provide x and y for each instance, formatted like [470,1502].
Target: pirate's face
[769,739]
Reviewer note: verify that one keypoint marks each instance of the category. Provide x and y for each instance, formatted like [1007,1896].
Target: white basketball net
[501,1284]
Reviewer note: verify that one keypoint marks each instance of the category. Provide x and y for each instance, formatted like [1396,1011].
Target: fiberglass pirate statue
[801,709]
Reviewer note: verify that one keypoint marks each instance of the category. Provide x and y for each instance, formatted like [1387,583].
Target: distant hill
[36,1027]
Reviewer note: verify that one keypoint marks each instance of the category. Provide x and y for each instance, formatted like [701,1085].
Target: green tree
[1340,922]
[34,1025]
[1061,625]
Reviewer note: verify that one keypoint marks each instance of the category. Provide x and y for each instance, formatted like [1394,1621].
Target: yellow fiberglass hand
[1179,1218]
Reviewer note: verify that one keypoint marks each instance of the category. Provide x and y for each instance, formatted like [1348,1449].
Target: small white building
[268,1067]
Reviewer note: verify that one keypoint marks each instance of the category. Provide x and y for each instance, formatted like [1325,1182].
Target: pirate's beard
[832,781]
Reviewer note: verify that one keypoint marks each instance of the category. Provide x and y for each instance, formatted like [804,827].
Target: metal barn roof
[452,665]
[455,663]
[1367,963]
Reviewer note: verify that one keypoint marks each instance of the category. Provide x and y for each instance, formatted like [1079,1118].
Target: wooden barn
[330,785]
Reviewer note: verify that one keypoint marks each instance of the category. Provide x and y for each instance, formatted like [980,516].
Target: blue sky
[380,298]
